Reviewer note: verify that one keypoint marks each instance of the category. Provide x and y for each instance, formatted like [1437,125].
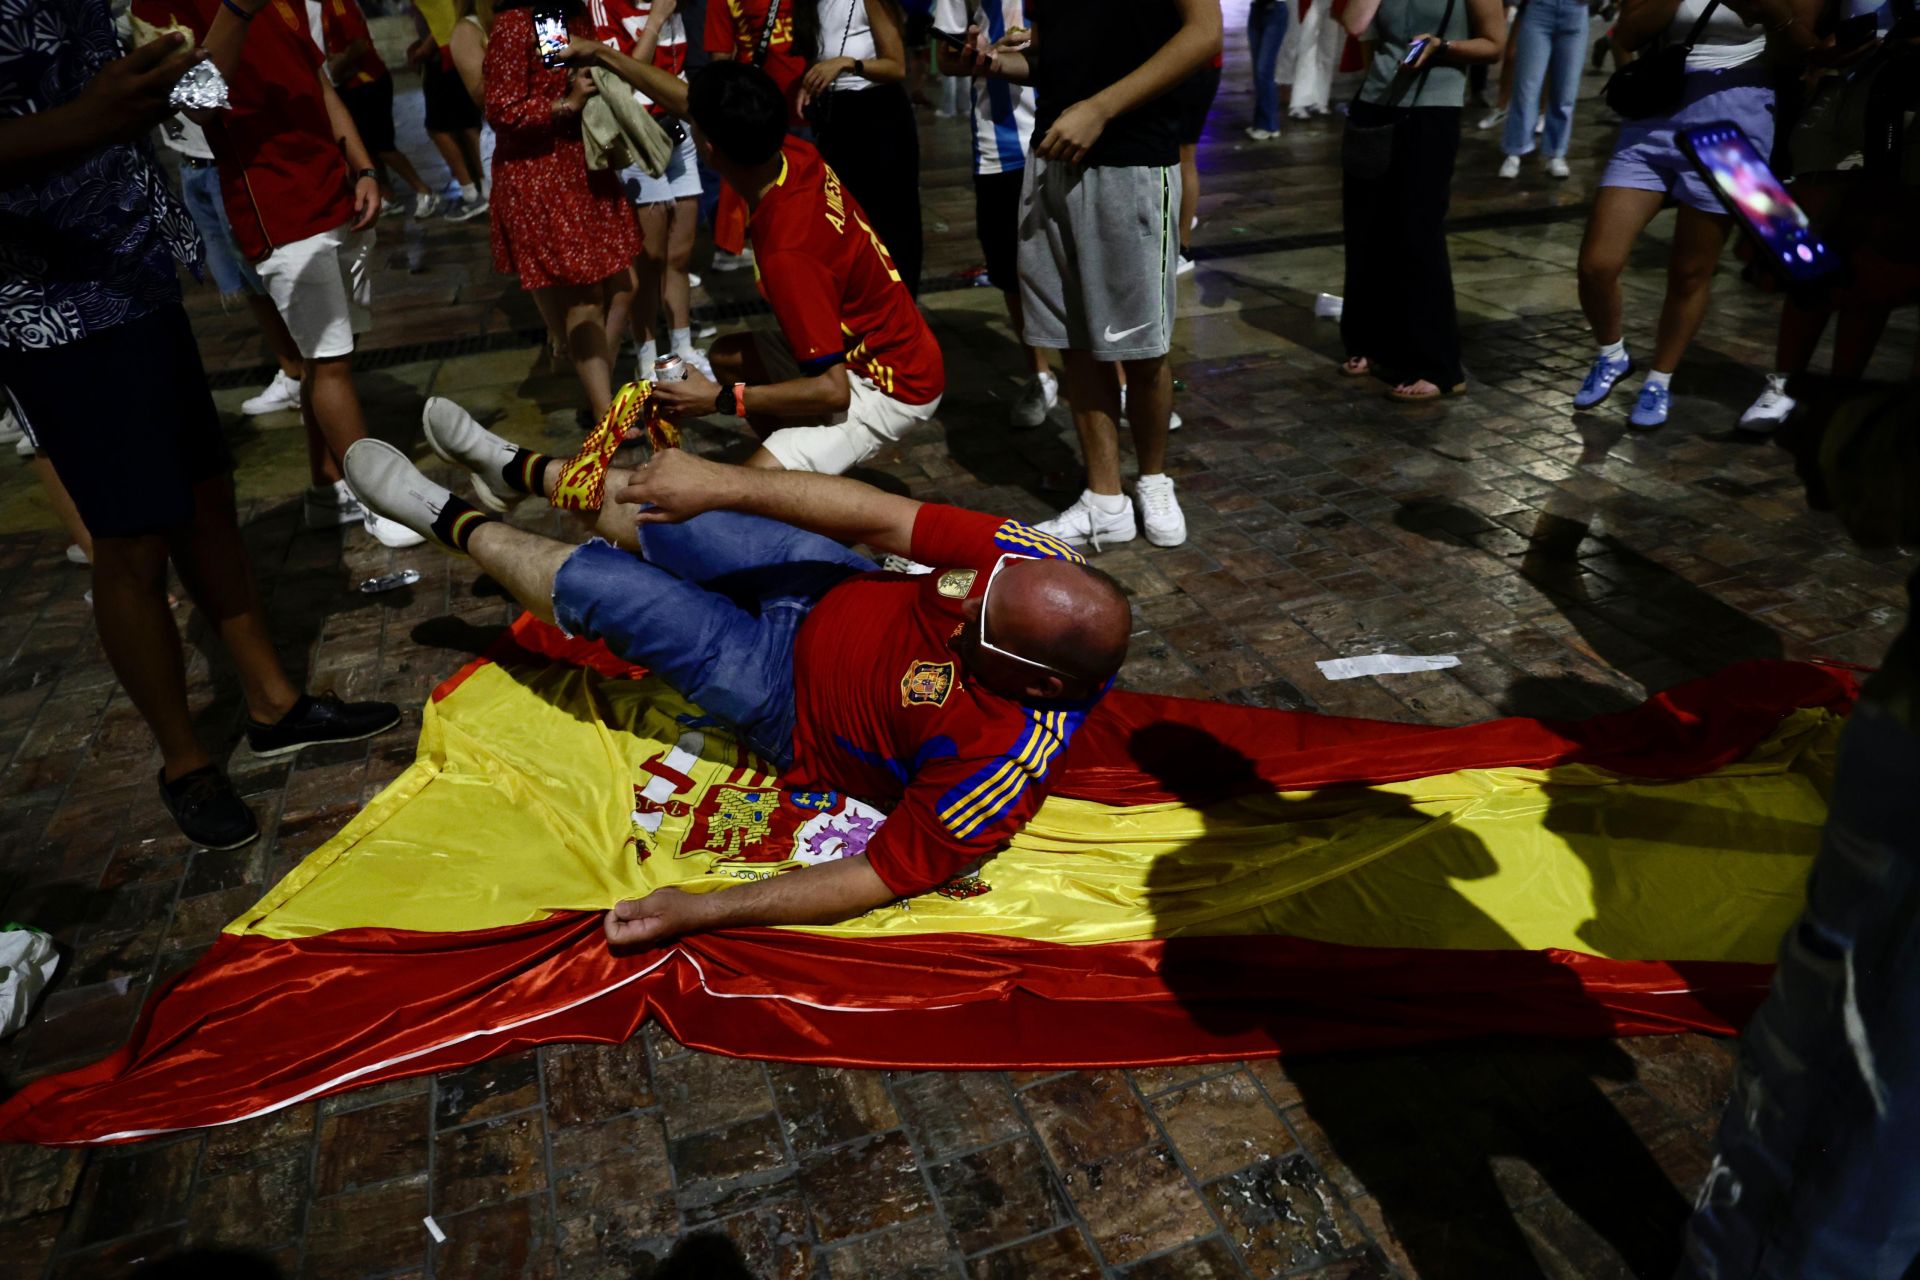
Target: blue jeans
[1550,49]
[1266,28]
[200,192]
[711,607]
[1816,1172]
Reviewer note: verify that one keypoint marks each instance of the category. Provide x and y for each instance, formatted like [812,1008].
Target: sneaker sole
[218,848]
[1592,404]
[1168,542]
[322,742]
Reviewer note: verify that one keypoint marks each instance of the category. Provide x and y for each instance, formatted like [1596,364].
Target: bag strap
[1441,33]
[1700,25]
[765,41]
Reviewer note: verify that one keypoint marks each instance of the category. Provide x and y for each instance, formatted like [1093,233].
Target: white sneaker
[1035,401]
[1298,113]
[1184,263]
[401,503]
[10,428]
[388,208]
[454,436]
[900,564]
[282,393]
[1173,421]
[1160,513]
[1267,135]
[25,448]
[698,359]
[1771,409]
[1510,167]
[704,332]
[76,556]
[724,261]
[466,208]
[693,279]
[1493,118]
[328,506]
[425,205]
[1557,167]
[1084,524]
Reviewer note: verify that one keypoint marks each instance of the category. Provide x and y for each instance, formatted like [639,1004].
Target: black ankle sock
[524,471]
[456,522]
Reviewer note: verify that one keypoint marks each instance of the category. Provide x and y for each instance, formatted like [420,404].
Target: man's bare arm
[665,88]
[127,97]
[679,486]
[825,894]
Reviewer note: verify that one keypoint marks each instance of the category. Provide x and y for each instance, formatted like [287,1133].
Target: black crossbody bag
[1366,150]
[1653,83]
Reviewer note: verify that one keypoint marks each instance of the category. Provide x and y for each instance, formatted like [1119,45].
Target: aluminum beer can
[669,368]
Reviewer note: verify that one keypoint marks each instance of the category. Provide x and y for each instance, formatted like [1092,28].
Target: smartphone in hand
[550,35]
[1413,51]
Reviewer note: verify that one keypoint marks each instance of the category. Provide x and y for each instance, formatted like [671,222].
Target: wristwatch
[860,67]
[367,173]
[726,402]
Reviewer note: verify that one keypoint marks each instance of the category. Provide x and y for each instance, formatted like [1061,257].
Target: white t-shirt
[192,139]
[1002,112]
[848,17]
[1726,41]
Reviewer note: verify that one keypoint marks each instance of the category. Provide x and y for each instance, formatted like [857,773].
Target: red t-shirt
[619,22]
[282,174]
[734,26]
[833,287]
[884,710]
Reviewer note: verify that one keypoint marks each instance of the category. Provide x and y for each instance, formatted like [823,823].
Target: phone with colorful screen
[550,35]
[1740,176]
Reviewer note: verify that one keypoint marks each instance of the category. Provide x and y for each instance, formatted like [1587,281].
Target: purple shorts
[1648,157]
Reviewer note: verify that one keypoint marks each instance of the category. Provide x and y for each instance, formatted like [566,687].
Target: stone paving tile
[1573,566]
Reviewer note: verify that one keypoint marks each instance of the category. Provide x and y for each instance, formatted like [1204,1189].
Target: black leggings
[1398,309]
[872,142]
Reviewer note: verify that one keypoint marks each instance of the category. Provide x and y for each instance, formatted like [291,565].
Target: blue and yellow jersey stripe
[1028,541]
[993,790]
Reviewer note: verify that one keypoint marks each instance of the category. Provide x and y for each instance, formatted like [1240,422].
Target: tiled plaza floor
[1571,566]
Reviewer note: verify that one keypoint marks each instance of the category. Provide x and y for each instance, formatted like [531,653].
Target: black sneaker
[323,719]
[208,810]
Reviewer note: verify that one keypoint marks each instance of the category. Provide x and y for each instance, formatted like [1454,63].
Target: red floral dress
[554,222]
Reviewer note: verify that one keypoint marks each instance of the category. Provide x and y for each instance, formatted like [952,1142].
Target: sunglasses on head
[986,596]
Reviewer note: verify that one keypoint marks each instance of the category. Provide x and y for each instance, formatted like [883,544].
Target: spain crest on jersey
[926,684]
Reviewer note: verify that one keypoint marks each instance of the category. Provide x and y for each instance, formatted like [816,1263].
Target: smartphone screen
[550,35]
[1752,193]
[1413,51]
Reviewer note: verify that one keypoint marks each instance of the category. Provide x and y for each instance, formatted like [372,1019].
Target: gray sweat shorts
[1098,250]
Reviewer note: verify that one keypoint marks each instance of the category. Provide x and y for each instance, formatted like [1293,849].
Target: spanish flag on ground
[1207,882]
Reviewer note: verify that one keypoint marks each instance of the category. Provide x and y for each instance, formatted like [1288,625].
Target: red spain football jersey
[618,23]
[833,287]
[734,26]
[885,711]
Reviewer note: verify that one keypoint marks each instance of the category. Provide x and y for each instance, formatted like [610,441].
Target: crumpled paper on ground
[1384,664]
[27,962]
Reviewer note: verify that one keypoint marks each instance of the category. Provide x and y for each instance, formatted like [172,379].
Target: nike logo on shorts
[1111,336]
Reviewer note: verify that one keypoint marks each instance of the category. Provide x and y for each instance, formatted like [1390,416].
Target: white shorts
[680,180]
[872,420]
[323,288]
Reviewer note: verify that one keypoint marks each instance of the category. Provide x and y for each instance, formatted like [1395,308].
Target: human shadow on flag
[1442,1156]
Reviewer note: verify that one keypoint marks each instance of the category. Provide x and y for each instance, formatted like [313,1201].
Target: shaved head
[1067,616]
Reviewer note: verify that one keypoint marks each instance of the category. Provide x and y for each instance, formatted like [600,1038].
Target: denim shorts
[200,188]
[1647,156]
[712,607]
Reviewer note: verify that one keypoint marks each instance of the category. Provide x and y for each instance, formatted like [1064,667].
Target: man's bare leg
[524,563]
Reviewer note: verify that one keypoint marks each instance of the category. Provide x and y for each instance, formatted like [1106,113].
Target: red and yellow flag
[1206,882]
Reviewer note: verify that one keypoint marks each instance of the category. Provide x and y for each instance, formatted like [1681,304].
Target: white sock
[1777,381]
[647,353]
[1110,504]
[683,339]
[1655,378]
[467,192]
[1613,349]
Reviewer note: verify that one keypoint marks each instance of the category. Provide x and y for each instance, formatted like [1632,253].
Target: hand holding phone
[1414,50]
[550,35]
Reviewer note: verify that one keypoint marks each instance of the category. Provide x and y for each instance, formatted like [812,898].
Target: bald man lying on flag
[945,697]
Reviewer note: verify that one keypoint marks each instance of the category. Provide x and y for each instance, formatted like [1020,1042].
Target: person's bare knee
[136,563]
